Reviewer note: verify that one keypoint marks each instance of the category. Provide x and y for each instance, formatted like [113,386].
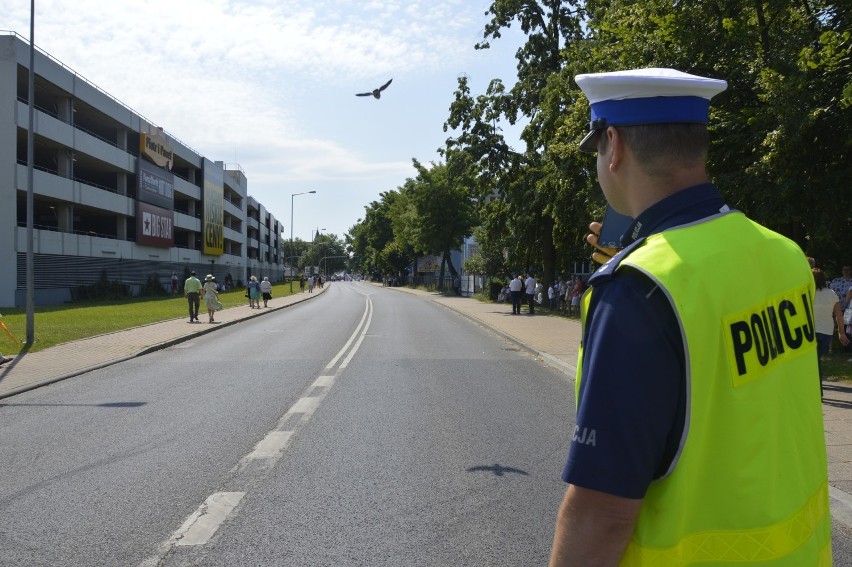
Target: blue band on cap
[652,110]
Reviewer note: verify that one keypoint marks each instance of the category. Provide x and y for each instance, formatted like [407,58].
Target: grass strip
[74,321]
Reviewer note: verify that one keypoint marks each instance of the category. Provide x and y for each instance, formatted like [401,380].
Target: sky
[270,85]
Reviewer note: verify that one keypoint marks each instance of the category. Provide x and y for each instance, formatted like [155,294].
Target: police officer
[699,435]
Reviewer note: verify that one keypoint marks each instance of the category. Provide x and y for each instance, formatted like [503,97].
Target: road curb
[152,348]
[569,369]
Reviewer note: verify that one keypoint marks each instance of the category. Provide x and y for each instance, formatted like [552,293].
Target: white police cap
[645,96]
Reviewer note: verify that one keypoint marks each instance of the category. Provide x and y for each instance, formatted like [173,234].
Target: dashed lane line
[202,524]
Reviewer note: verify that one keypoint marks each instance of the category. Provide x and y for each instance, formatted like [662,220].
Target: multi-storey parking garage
[114,194]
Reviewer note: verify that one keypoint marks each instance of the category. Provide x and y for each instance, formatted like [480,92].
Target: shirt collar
[687,205]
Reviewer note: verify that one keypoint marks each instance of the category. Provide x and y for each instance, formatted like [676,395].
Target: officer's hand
[602,254]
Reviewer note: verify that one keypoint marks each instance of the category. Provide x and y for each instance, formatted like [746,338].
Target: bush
[153,287]
[103,289]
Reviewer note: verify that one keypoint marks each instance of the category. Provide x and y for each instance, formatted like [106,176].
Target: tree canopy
[781,133]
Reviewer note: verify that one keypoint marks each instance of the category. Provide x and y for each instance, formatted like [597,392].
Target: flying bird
[376,93]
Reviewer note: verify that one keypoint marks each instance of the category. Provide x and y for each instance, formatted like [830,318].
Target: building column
[121,227]
[65,217]
[121,183]
[65,110]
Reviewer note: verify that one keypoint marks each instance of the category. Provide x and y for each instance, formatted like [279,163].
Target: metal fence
[468,284]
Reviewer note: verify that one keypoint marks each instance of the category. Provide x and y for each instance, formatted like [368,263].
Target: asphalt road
[365,427]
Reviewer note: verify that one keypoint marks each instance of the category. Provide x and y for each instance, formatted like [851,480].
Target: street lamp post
[30,263]
[292,195]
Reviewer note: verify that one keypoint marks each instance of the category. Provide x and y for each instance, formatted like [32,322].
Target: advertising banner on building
[428,264]
[154,226]
[213,221]
[156,186]
[155,146]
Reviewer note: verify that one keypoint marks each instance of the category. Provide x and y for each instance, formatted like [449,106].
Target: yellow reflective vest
[749,481]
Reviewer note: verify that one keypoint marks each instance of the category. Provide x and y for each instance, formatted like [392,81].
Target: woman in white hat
[211,296]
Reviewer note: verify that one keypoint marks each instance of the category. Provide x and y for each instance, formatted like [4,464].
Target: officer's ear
[613,149]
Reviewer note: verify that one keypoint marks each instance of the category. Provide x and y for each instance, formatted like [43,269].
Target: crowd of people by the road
[255,291]
[561,296]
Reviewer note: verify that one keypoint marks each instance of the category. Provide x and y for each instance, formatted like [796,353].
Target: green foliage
[327,252]
[104,289]
[431,213]
[781,133]
[153,287]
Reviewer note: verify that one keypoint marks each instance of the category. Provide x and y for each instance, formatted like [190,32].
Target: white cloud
[268,83]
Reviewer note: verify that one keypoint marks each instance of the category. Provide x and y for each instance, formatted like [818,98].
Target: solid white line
[352,352]
[203,523]
[352,338]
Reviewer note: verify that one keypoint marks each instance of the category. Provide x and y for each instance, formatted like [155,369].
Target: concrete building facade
[114,194]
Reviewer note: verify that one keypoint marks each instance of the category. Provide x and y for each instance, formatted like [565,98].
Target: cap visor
[589,144]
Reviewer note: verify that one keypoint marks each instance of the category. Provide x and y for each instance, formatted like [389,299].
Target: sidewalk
[31,370]
[552,339]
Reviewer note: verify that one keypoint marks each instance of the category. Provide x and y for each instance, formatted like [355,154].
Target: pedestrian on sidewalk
[516,287]
[827,317]
[266,290]
[699,431]
[529,284]
[211,296]
[192,288]
[577,288]
[254,292]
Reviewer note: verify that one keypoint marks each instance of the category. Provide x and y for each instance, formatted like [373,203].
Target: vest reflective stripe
[766,544]
[752,402]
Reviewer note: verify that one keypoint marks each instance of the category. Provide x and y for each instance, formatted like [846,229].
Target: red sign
[154,226]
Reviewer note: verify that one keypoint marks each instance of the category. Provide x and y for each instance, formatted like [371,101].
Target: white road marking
[203,523]
[270,446]
[305,405]
[323,382]
[367,309]
[352,352]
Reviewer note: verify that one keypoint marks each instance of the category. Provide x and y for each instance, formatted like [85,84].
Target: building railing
[94,86]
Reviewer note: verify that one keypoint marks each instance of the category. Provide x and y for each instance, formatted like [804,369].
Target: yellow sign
[213,225]
[155,146]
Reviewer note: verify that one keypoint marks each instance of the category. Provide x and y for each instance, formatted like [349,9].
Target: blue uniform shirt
[631,410]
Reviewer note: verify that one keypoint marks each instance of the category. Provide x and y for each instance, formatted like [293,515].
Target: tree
[438,215]
[781,132]
[373,242]
[327,252]
[530,181]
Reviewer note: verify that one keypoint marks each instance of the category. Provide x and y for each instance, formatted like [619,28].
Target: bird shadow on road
[497,469]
